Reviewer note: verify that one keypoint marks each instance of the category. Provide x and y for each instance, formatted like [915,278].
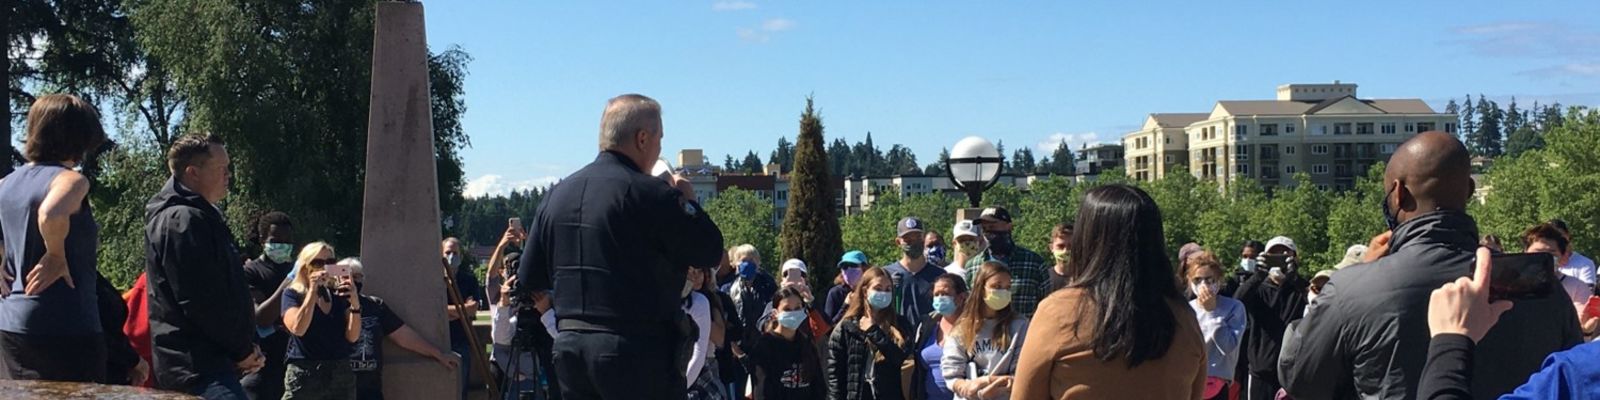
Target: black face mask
[1389,216]
[1000,243]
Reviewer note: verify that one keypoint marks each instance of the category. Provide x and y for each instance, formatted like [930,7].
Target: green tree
[1469,122]
[783,155]
[1354,217]
[1487,140]
[811,226]
[746,218]
[1022,161]
[1548,183]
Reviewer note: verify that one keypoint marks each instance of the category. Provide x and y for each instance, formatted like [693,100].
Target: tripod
[479,362]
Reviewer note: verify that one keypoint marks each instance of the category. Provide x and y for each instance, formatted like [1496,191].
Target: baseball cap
[1284,241]
[996,214]
[793,263]
[909,225]
[965,227]
[1323,275]
[854,257]
[1352,256]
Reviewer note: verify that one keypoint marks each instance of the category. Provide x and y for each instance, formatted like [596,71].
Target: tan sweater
[1057,364]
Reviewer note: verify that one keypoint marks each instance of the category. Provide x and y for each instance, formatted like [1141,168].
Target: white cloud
[1074,141]
[732,5]
[1577,69]
[764,33]
[777,25]
[496,185]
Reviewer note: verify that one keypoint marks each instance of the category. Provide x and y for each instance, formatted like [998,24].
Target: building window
[1289,149]
[1289,170]
[1241,152]
[1424,126]
[1364,128]
[1387,128]
[1269,129]
[1241,169]
[1387,148]
[1322,129]
[1319,149]
[1322,187]
[1288,128]
[1169,139]
[1342,128]
[1167,159]
[1241,130]
[1342,170]
[1411,128]
[1319,169]
[1450,127]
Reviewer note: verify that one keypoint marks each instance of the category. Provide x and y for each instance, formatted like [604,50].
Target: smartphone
[515,222]
[1593,308]
[1522,276]
[1276,261]
[794,278]
[338,270]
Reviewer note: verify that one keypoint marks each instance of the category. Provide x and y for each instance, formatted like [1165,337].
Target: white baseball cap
[965,227]
[1284,241]
[793,263]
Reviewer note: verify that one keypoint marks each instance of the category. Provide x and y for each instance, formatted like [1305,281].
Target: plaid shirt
[1029,271]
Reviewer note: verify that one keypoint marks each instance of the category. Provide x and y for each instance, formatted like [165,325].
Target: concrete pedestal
[400,214]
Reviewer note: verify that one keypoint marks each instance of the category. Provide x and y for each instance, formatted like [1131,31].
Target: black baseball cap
[908,225]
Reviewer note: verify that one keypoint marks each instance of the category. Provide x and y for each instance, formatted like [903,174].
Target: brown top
[1058,364]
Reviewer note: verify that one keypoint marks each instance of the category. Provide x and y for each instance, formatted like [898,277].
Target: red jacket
[137,327]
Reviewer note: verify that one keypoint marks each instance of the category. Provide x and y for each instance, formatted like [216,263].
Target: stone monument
[400,231]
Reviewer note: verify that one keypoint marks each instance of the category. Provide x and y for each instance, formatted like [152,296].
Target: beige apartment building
[1323,130]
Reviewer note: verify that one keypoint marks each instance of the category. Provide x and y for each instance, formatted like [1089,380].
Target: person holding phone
[319,310]
[1549,239]
[1273,296]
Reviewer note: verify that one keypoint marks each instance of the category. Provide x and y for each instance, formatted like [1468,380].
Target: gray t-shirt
[987,358]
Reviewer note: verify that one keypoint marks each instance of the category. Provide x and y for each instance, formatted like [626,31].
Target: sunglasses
[322,262]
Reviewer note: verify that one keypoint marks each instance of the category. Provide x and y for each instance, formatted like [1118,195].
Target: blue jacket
[1571,374]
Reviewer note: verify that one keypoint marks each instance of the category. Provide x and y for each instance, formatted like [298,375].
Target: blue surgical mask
[747,269]
[944,305]
[879,299]
[279,252]
[792,319]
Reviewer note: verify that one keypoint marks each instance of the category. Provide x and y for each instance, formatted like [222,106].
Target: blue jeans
[219,386]
[464,350]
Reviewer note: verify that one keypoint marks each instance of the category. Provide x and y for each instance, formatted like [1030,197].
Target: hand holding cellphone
[338,270]
[1592,310]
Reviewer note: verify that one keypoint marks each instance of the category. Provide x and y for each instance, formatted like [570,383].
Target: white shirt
[1578,291]
[699,310]
[1580,267]
[958,269]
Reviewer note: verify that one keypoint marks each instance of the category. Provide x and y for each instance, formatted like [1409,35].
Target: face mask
[1205,288]
[279,252]
[454,260]
[1060,255]
[747,269]
[1000,243]
[944,305]
[791,319]
[911,250]
[998,299]
[852,276]
[1312,296]
[1248,264]
[1388,215]
[968,251]
[879,299]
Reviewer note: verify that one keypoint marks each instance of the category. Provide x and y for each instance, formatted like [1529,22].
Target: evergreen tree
[1550,118]
[1489,139]
[1005,163]
[811,224]
[752,163]
[1452,108]
[730,166]
[1043,166]
[783,155]
[839,157]
[1514,118]
[1022,161]
[1469,124]
[1062,161]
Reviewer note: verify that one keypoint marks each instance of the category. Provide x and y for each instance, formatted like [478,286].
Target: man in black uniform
[614,244]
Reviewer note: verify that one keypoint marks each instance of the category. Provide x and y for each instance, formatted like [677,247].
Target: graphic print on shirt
[364,357]
[793,379]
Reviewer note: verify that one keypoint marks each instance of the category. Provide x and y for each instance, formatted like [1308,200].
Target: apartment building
[1159,146]
[1092,160]
[1323,130]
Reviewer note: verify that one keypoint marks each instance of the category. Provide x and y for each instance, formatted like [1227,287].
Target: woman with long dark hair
[1120,329]
[783,360]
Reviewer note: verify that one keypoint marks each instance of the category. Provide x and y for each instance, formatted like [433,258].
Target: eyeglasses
[322,262]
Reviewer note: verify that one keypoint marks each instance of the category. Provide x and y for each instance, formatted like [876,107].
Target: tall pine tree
[1022,161]
[783,155]
[1489,140]
[811,224]
[1469,124]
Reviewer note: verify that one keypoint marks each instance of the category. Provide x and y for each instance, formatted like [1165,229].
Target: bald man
[613,244]
[1367,332]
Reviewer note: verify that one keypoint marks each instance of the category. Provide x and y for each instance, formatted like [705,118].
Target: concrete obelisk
[400,213]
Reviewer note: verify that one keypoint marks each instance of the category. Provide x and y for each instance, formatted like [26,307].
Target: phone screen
[1593,308]
[338,270]
[1522,276]
[515,222]
[1275,260]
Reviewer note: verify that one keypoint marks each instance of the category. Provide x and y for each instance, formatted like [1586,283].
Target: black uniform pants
[612,366]
[54,358]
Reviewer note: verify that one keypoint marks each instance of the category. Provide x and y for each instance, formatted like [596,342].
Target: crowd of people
[621,287]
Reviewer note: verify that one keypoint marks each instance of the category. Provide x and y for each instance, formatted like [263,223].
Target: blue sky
[732,75]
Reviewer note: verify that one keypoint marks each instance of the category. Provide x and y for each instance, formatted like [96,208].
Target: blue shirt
[59,310]
[932,354]
[324,339]
[1571,374]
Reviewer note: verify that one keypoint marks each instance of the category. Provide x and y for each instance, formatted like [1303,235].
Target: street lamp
[974,166]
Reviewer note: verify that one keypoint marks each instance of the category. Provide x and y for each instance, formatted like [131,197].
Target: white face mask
[1248,264]
[1205,288]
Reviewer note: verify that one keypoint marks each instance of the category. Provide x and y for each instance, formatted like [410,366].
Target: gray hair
[625,116]
[354,264]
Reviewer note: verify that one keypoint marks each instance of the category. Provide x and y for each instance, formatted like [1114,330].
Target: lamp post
[974,166]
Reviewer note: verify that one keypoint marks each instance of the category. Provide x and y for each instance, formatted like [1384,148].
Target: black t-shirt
[467,285]
[1055,281]
[366,358]
[264,276]
[324,339]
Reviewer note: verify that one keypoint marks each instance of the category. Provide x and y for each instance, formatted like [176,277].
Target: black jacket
[615,243]
[776,364]
[120,356]
[1367,334]
[1271,308]
[852,359]
[201,315]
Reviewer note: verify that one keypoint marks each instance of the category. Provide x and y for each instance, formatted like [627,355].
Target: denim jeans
[219,386]
[306,379]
